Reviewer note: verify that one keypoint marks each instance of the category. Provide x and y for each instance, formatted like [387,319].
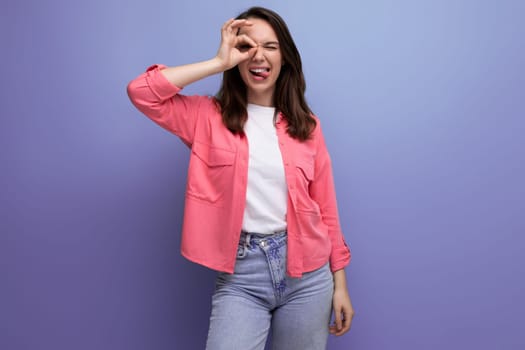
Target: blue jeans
[259,296]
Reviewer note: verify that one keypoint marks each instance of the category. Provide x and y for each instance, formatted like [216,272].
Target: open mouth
[261,73]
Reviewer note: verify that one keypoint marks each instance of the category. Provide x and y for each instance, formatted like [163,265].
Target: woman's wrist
[217,65]
[340,280]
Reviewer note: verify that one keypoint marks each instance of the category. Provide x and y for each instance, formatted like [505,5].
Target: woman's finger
[347,321]
[244,39]
[227,24]
[338,320]
[238,23]
[232,24]
[349,316]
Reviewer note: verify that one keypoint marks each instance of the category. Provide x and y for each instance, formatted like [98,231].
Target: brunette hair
[289,87]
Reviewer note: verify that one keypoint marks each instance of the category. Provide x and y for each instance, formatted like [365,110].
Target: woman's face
[261,70]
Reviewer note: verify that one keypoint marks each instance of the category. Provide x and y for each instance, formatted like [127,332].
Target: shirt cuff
[340,258]
[158,83]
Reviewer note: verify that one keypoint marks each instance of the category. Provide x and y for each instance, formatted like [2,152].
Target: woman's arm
[322,191]
[342,305]
[156,92]
[228,56]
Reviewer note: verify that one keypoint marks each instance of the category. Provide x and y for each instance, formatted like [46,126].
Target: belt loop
[246,237]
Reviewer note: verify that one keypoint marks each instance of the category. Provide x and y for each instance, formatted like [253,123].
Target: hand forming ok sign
[235,48]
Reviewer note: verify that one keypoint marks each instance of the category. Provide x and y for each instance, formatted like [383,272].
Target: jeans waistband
[251,239]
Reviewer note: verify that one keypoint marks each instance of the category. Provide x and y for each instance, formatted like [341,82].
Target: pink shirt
[217,175]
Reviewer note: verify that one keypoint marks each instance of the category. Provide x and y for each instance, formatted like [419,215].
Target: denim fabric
[259,296]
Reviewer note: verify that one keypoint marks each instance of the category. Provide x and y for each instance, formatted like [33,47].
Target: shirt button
[263,243]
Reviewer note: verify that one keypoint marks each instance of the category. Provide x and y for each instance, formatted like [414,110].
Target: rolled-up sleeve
[160,101]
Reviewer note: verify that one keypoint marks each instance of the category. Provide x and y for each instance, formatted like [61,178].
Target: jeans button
[263,243]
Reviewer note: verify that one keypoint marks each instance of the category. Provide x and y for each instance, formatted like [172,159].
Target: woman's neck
[261,99]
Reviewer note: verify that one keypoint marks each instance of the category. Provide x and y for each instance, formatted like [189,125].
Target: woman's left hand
[342,306]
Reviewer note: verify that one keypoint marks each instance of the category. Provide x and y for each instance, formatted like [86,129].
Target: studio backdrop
[422,106]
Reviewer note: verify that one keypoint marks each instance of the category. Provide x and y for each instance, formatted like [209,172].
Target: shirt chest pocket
[304,176]
[210,172]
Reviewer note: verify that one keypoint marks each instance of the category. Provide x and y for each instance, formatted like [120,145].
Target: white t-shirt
[266,192]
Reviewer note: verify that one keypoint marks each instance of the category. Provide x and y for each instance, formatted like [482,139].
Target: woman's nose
[258,55]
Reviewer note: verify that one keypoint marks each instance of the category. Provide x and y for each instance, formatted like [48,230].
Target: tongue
[264,74]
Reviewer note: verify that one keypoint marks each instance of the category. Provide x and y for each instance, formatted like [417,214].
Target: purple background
[422,104]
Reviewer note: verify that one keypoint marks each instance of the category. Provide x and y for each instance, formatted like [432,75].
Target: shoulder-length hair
[289,89]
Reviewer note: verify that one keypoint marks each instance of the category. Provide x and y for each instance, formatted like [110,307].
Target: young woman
[260,204]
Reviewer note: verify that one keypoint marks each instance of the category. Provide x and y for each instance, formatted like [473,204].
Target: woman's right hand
[235,48]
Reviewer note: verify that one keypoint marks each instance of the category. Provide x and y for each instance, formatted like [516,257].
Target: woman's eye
[271,47]
[244,47]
